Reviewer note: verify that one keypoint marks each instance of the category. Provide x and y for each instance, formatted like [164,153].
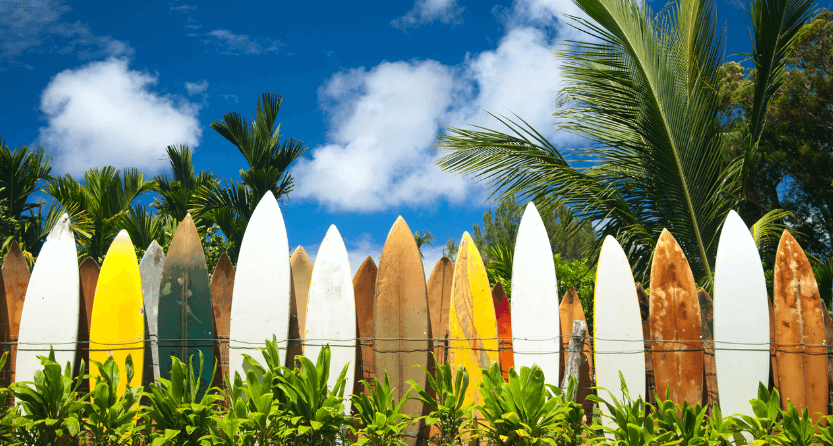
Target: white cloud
[236,44]
[196,87]
[427,11]
[27,26]
[105,114]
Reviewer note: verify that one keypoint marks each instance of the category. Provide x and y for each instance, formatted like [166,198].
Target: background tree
[178,193]
[451,249]
[423,238]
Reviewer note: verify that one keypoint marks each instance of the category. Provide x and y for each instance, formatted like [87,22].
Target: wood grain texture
[401,319]
[644,312]
[151,267]
[710,395]
[300,267]
[15,280]
[439,301]
[364,289]
[222,284]
[503,313]
[472,329]
[799,330]
[88,273]
[570,310]
[676,326]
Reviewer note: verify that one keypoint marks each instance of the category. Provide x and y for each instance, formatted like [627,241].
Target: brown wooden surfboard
[15,278]
[571,310]
[644,310]
[88,271]
[301,274]
[439,299]
[401,318]
[503,314]
[709,365]
[676,328]
[773,373]
[364,289]
[222,284]
[828,335]
[799,330]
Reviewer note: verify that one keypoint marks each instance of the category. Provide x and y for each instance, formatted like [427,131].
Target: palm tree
[178,193]
[423,238]
[642,90]
[105,199]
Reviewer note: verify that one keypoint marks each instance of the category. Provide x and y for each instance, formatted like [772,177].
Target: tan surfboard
[439,299]
[400,318]
[88,271]
[571,310]
[364,289]
[799,330]
[300,267]
[709,365]
[676,329]
[644,311]
[222,284]
[773,361]
[15,280]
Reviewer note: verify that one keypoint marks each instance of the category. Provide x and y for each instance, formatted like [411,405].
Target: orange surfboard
[88,271]
[828,334]
[644,310]
[773,372]
[676,328]
[799,330]
[222,284]
[439,299]
[504,329]
[570,309]
[364,289]
[15,281]
[709,365]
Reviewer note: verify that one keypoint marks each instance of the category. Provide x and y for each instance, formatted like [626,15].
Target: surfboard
[709,369]
[472,333]
[439,299]
[676,328]
[570,309]
[741,322]
[88,273]
[331,310]
[364,288]
[15,277]
[534,294]
[222,284]
[301,269]
[51,301]
[799,330]
[400,317]
[186,317]
[617,325]
[645,313]
[773,370]
[260,305]
[150,269]
[828,335]
[117,327]
[503,315]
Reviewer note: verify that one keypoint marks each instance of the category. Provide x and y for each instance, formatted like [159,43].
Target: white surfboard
[260,302]
[741,319]
[618,326]
[331,310]
[151,266]
[536,322]
[52,305]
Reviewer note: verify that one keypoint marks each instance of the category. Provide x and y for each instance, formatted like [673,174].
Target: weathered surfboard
[741,322]
[117,327]
[51,300]
[676,328]
[331,309]
[828,335]
[570,309]
[709,369]
[150,269]
[439,299]
[773,370]
[472,333]
[15,277]
[799,330]
[534,294]
[301,269]
[222,284]
[645,313]
[260,308]
[503,314]
[364,288]
[400,317]
[88,273]
[617,325]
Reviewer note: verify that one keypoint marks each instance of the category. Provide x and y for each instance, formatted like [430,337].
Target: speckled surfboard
[150,268]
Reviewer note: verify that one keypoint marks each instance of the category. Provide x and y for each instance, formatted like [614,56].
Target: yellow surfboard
[117,327]
[472,333]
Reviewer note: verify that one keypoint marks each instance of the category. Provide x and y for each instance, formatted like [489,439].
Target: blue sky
[365,85]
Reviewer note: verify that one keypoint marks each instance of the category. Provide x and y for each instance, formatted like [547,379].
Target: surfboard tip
[62,229]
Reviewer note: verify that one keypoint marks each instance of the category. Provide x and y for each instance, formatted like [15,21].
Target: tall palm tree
[642,90]
[178,193]
[423,238]
[105,199]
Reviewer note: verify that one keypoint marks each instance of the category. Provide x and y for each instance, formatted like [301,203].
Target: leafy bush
[381,420]
[447,409]
[108,418]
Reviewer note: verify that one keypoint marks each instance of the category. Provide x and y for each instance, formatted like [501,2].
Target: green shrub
[447,409]
[109,419]
[380,420]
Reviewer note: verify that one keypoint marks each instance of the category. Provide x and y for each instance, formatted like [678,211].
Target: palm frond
[767,231]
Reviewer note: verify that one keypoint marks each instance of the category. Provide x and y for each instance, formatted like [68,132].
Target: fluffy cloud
[236,44]
[427,11]
[30,25]
[104,113]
